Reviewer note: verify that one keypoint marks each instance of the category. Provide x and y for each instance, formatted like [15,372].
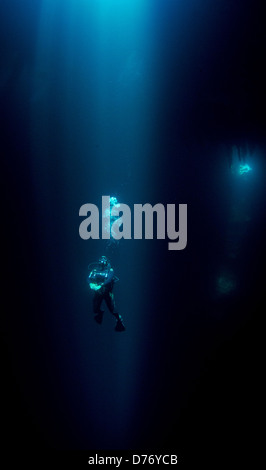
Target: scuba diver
[101,280]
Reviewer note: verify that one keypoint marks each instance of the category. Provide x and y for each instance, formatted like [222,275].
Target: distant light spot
[244,169]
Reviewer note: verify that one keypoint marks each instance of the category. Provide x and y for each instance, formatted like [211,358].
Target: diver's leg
[110,302]
[97,301]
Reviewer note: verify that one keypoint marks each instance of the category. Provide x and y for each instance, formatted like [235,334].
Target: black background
[206,405]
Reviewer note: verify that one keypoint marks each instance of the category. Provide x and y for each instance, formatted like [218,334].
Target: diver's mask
[103,262]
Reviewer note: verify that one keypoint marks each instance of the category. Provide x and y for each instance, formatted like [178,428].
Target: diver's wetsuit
[106,293]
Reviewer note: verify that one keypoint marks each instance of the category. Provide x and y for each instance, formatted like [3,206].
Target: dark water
[148,103]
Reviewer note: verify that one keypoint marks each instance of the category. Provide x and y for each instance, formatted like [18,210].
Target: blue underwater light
[243,169]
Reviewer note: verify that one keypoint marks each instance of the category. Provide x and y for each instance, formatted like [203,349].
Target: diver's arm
[109,278]
[96,283]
